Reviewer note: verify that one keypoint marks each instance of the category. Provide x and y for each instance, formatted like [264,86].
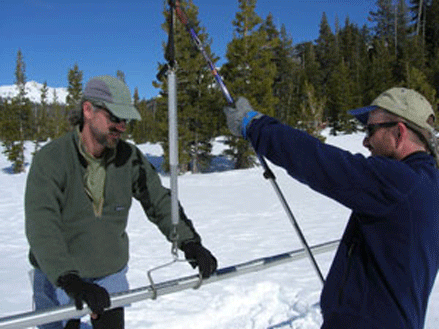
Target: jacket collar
[420,156]
[109,154]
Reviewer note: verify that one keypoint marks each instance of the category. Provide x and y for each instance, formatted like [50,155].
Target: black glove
[96,297]
[199,256]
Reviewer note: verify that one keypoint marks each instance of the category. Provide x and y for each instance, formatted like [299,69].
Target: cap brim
[362,113]
[127,112]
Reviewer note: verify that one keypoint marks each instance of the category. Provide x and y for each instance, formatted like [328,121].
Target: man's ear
[87,110]
[400,133]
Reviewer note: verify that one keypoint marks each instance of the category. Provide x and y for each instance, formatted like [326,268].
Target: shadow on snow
[217,164]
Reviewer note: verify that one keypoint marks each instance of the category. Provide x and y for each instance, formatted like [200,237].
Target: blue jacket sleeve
[368,185]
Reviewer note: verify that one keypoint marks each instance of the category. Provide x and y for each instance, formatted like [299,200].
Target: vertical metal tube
[173,143]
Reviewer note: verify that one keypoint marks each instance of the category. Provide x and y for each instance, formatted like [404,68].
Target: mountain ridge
[33,92]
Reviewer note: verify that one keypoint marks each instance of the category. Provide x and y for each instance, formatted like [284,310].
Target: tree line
[310,85]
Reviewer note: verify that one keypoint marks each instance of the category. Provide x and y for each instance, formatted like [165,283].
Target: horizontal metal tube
[30,319]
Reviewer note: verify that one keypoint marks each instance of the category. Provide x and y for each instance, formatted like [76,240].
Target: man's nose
[121,126]
[366,142]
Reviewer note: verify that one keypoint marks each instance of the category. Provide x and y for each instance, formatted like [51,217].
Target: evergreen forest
[310,85]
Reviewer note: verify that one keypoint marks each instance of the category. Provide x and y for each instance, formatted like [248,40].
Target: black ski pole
[268,174]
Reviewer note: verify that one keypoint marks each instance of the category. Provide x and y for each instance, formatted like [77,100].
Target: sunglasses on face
[373,127]
[110,116]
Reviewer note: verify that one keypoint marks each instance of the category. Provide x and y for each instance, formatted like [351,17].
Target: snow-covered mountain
[33,92]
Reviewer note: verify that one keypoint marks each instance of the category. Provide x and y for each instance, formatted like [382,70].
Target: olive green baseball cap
[403,102]
[113,94]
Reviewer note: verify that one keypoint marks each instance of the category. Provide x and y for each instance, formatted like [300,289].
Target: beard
[108,139]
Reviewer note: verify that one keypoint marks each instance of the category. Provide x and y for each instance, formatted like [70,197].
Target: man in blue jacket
[388,258]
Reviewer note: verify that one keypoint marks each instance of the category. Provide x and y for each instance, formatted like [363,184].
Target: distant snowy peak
[33,92]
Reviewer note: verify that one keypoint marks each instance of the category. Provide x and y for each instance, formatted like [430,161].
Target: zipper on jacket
[347,271]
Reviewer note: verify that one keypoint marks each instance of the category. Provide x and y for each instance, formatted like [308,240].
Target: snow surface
[239,218]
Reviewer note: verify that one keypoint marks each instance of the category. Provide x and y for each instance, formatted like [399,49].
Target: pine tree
[340,98]
[384,19]
[325,50]
[198,101]
[310,67]
[312,108]
[418,9]
[383,56]
[417,80]
[146,130]
[136,97]
[15,124]
[401,27]
[10,130]
[249,71]
[131,125]
[430,35]
[74,95]
[58,120]
[380,75]
[327,57]
[284,87]
[404,55]
[120,75]
[41,118]
[354,54]
[433,71]
[432,26]
[74,88]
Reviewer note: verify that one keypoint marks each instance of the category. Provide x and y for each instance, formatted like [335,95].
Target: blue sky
[105,36]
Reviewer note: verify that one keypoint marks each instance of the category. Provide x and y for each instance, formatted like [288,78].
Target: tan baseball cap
[409,105]
[403,102]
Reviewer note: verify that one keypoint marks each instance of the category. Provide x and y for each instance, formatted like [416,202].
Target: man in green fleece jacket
[78,195]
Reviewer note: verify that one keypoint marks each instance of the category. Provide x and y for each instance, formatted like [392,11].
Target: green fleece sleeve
[156,201]
[43,199]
